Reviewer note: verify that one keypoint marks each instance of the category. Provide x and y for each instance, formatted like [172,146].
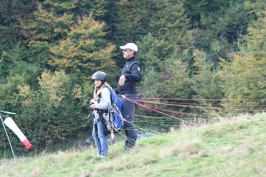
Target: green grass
[230,147]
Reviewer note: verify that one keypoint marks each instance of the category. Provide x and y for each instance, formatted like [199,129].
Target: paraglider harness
[99,117]
[113,117]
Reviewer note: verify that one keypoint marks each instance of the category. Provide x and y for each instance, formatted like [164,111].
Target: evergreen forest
[206,57]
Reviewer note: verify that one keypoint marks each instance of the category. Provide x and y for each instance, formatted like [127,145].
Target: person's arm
[135,73]
[105,99]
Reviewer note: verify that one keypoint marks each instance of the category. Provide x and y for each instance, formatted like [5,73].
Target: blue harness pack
[116,111]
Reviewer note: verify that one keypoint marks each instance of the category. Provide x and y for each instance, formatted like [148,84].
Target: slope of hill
[229,147]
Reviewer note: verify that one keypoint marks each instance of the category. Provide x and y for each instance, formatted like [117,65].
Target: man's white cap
[131,46]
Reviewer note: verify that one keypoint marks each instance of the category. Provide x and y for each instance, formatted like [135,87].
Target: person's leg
[96,139]
[102,138]
[130,131]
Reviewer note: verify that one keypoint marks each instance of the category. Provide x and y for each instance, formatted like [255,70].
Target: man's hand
[122,80]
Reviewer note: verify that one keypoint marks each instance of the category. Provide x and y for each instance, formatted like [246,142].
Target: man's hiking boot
[127,149]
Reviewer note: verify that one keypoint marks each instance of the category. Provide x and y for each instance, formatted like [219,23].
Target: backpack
[114,116]
[115,109]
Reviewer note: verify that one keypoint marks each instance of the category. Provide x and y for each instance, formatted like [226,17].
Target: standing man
[130,75]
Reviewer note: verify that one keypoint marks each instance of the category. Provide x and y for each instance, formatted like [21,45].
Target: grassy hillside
[230,147]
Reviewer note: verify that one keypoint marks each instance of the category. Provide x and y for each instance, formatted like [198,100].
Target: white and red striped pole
[12,125]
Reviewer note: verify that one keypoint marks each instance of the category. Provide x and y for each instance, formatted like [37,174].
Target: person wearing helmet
[99,105]
[130,75]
